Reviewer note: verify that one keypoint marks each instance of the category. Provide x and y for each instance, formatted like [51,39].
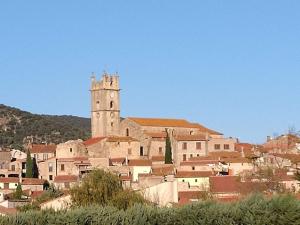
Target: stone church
[144,138]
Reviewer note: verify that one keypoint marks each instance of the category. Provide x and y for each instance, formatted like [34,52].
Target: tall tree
[18,193]
[168,154]
[35,169]
[29,166]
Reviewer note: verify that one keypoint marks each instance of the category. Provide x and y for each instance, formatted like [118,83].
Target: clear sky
[233,66]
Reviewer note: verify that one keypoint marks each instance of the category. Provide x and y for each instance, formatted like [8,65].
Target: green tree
[18,193]
[168,154]
[126,199]
[98,188]
[35,169]
[29,166]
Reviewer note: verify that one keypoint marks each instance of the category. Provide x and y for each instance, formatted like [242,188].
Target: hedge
[258,210]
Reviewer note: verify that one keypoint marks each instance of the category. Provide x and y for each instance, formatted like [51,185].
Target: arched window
[127,132]
[111,104]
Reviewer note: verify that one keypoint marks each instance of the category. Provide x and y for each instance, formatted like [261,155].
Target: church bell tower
[105,114]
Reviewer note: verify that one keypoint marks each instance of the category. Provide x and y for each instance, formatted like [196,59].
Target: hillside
[18,127]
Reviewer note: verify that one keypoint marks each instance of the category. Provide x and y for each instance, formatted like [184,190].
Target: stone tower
[105,106]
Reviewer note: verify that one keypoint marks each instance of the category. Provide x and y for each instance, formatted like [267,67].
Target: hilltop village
[198,161]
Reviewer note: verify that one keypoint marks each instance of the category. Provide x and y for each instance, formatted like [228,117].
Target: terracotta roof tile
[118,160]
[139,162]
[35,148]
[193,174]
[93,141]
[224,184]
[158,158]
[160,122]
[32,181]
[9,180]
[163,170]
[190,138]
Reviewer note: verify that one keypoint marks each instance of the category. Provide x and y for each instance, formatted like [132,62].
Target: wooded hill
[18,127]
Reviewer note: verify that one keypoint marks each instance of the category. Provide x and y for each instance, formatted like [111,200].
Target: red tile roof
[193,174]
[139,162]
[190,138]
[224,184]
[118,160]
[32,181]
[163,170]
[158,158]
[125,178]
[35,148]
[199,163]
[160,122]
[66,179]
[9,180]
[93,141]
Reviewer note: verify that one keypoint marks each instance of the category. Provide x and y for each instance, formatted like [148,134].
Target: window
[196,180]
[198,145]
[191,155]
[129,151]
[160,150]
[111,104]
[112,124]
[71,150]
[50,177]
[198,155]
[127,132]
[50,167]
[184,146]
[45,156]
[191,132]
[193,168]
[184,157]
[62,167]
[141,151]
[183,180]
[226,147]
[13,168]
[217,146]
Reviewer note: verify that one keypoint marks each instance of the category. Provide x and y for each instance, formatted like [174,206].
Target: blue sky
[233,66]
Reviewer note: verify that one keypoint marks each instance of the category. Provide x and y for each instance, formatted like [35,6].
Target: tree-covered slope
[18,127]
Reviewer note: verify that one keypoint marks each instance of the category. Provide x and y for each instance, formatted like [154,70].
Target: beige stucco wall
[163,194]
[136,170]
[58,204]
[200,182]
[11,185]
[44,172]
[71,149]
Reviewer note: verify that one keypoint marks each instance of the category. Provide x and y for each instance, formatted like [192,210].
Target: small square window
[226,147]
[217,146]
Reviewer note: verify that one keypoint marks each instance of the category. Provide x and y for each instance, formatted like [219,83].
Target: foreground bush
[254,210]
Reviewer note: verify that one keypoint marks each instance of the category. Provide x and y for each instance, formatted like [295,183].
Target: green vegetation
[18,127]
[29,166]
[280,210]
[168,155]
[18,193]
[103,188]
